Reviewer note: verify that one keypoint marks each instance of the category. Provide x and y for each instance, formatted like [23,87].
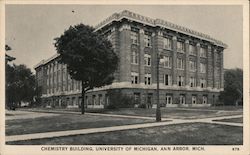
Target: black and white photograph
[104,78]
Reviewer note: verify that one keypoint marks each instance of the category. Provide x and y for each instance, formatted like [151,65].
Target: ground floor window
[107,99]
[194,98]
[169,99]
[204,99]
[137,98]
[100,99]
[94,99]
[182,99]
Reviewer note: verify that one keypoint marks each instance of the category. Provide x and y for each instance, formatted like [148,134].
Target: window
[134,78]
[167,80]
[192,50]
[109,37]
[134,57]
[192,65]
[203,52]
[182,99]
[202,68]
[180,47]
[169,99]
[147,79]
[94,99]
[192,82]
[180,63]
[204,99]
[137,98]
[134,38]
[167,61]
[203,83]
[100,99]
[167,43]
[147,40]
[193,99]
[147,60]
[180,81]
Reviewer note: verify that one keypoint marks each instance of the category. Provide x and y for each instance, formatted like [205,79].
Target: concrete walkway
[118,128]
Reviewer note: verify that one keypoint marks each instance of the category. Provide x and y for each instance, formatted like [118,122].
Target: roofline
[157,22]
[43,62]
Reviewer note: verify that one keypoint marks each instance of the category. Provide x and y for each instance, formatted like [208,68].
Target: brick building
[190,72]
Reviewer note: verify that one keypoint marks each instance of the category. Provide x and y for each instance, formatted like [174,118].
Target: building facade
[190,71]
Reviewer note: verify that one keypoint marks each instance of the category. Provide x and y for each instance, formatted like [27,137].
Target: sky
[31,29]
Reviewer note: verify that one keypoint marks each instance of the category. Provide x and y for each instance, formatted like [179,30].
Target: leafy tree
[89,57]
[20,85]
[7,57]
[233,87]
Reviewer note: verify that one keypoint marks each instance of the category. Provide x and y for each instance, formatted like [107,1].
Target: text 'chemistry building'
[190,72]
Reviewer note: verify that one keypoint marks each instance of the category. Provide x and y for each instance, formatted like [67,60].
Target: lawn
[177,113]
[65,122]
[181,134]
[233,120]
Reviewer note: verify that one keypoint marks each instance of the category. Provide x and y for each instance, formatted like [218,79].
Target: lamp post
[158,110]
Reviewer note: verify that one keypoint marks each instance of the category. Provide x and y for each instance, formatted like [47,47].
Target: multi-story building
[190,71]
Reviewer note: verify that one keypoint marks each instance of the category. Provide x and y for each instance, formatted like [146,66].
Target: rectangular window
[180,81]
[94,99]
[147,60]
[167,80]
[192,50]
[203,52]
[180,63]
[180,47]
[192,65]
[167,62]
[134,38]
[167,43]
[134,78]
[182,99]
[193,99]
[203,83]
[134,57]
[192,82]
[147,40]
[204,99]
[202,68]
[137,98]
[147,79]
[169,99]
[100,99]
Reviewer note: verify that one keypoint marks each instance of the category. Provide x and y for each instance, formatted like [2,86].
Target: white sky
[30,29]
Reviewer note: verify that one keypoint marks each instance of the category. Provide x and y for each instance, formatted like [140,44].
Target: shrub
[119,100]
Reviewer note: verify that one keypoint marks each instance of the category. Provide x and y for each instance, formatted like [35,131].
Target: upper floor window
[182,99]
[202,68]
[167,61]
[147,79]
[147,40]
[203,52]
[192,65]
[134,38]
[192,50]
[192,82]
[167,80]
[180,63]
[167,43]
[134,57]
[147,60]
[134,78]
[180,81]
[203,83]
[180,47]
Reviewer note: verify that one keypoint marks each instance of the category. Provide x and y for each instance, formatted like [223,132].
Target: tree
[7,57]
[89,57]
[233,88]
[20,85]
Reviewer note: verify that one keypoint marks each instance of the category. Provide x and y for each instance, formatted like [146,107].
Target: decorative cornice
[157,22]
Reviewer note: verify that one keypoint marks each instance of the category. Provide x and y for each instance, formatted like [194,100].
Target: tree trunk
[83,95]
